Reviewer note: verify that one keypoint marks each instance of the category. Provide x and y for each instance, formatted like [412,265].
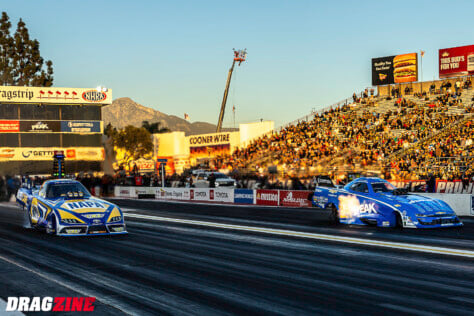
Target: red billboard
[267,197]
[9,126]
[456,61]
[296,198]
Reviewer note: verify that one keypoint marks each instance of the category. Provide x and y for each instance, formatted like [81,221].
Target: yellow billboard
[55,95]
[47,153]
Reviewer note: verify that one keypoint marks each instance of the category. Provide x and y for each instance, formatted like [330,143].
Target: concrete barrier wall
[462,204]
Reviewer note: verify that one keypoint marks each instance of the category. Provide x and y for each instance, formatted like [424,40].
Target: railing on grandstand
[315,112]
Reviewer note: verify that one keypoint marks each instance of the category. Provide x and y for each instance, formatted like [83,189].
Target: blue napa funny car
[375,201]
[64,207]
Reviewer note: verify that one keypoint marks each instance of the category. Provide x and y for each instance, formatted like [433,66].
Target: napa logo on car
[94,96]
[76,205]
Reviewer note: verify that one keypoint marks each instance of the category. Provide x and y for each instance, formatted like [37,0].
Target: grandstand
[409,135]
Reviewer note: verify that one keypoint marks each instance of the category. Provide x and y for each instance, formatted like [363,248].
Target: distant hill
[125,111]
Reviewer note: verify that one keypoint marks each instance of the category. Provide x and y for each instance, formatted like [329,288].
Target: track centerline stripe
[325,237]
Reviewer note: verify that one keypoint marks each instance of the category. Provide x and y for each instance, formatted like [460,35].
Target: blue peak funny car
[65,207]
[374,201]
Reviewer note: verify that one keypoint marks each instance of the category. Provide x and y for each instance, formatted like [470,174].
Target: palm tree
[154,128]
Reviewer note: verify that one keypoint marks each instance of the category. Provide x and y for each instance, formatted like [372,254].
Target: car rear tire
[334,217]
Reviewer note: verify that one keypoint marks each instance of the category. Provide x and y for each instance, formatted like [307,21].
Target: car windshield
[71,190]
[220,175]
[382,187]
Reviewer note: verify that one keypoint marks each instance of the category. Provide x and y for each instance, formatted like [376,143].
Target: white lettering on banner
[269,197]
[243,196]
[290,199]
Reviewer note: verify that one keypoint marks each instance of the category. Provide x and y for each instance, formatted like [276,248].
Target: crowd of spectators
[357,137]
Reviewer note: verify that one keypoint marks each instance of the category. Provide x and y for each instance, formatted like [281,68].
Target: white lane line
[407,310]
[72,288]
[351,240]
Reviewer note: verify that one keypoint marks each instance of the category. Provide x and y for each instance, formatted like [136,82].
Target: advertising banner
[295,198]
[456,61]
[47,153]
[395,69]
[40,126]
[55,95]
[180,194]
[199,194]
[81,126]
[221,195]
[244,196]
[410,185]
[9,126]
[267,197]
[456,186]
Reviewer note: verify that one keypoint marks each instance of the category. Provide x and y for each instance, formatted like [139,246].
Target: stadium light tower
[239,56]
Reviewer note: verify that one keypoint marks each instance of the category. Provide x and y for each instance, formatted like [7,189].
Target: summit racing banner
[395,69]
[456,61]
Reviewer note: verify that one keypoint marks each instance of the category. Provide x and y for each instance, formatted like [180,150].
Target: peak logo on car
[94,96]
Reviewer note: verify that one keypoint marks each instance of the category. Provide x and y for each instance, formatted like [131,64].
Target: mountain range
[125,111]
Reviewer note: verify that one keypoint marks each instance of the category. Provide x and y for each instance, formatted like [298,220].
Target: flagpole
[421,70]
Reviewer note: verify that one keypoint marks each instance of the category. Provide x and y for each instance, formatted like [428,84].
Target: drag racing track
[199,259]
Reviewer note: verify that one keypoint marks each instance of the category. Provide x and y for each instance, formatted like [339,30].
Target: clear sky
[174,55]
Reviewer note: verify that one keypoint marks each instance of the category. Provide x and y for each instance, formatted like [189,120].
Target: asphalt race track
[171,267]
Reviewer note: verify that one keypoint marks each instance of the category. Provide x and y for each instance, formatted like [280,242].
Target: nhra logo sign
[94,96]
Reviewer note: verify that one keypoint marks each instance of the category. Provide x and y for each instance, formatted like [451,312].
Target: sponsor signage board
[47,153]
[81,126]
[395,69]
[9,126]
[172,194]
[295,198]
[221,195]
[267,197]
[54,95]
[40,126]
[209,139]
[456,61]
[244,196]
[442,186]
[199,194]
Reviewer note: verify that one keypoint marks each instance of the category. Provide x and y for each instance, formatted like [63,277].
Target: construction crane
[239,56]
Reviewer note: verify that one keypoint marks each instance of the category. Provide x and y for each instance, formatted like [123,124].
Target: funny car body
[374,201]
[64,207]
